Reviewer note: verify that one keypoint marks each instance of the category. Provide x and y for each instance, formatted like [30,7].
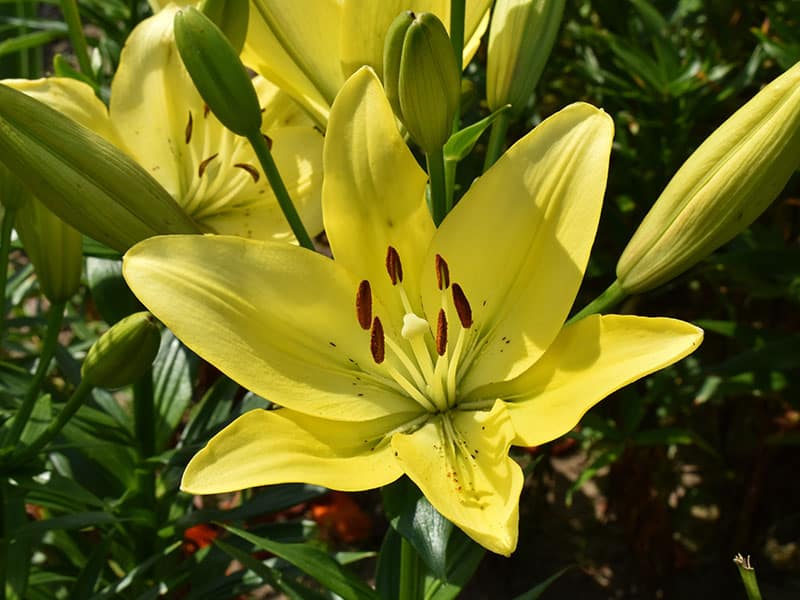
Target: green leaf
[211,413]
[315,563]
[172,387]
[111,295]
[92,572]
[603,460]
[81,520]
[40,418]
[463,557]
[462,142]
[29,40]
[134,574]
[535,592]
[387,573]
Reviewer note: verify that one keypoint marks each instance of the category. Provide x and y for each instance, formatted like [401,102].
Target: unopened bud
[13,194]
[123,353]
[520,40]
[231,16]
[721,188]
[217,72]
[427,81]
[81,177]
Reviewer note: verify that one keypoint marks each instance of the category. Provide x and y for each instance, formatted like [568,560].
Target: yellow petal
[296,45]
[72,98]
[373,195]
[278,319]
[460,462]
[281,446]
[519,240]
[587,361]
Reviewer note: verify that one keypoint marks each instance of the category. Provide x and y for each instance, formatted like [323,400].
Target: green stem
[54,320]
[410,579]
[4,531]
[457,14]
[497,140]
[281,193]
[613,295]
[72,17]
[748,575]
[73,404]
[144,426]
[440,205]
[5,248]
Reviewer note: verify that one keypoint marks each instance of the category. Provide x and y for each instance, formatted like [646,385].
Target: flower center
[427,365]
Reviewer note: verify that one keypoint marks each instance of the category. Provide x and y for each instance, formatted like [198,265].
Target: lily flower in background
[157,117]
[418,351]
[310,47]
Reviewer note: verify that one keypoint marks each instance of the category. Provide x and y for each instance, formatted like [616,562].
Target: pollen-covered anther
[250,169]
[376,341]
[364,305]
[442,273]
[188,132]
[441,333]
[463,308]
[393,265]
[201,168]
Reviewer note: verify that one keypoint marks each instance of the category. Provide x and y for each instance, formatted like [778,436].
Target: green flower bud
[13,194]
[392,54]
[520,40]
[429,82]
[217,72]
[82,178]
[54,248]
[722,187]
[123,353]
[231,16]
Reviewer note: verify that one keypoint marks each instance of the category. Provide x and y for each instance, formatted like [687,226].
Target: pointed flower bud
[521,37]
[217,72]
[54,248]
[13,194]
[123,353]
[721,188]
[83,178]
[231,16]
[427,82]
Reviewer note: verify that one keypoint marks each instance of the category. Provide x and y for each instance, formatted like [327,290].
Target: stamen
[250,169]
[201,168]
[441,333]
[364,305]
[188,133]
[393,265]
[376,341]
[442,273]
[463,308]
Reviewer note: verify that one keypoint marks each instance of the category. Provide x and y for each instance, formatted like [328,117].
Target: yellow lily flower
[157,117]
[419,351]
[310,47]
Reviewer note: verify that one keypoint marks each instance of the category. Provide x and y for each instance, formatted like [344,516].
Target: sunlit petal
[460,462]
[519,240]
[278,319]
[282,446]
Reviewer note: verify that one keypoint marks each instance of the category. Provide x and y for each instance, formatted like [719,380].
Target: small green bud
[721,188]
[81,177]
[54,248]
[392,54]
[231,16]
[427,84]
[521,37]
[123,353]
[217,72]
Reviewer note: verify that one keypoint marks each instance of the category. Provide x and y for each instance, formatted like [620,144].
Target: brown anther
[188,133]
[441,333]
[206,110]
[376,342]
[268,140]
[201,168]
[463,308]
[442,273]
[364,305]
[250,169]
[393,265]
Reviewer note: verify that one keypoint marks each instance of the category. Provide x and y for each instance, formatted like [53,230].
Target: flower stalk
[748,575]
[5,247]
[611,297]
[441,202]
[497,140]
[69,8]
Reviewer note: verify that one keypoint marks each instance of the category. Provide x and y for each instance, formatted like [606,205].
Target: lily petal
[587,361]
[461,464]
[281,446]
[269,315]
[519,240]
[373,194]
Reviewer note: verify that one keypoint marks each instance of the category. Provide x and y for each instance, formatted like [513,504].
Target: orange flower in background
[341,519]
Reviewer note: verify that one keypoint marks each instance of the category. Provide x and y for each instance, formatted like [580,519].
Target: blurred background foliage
[650,497]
